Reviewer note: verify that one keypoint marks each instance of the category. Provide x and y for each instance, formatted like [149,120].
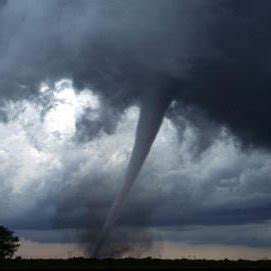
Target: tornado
[152,111]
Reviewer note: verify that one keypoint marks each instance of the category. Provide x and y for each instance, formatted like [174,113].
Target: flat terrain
[132,264]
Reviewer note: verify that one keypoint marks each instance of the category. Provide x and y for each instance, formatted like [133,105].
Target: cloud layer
[216,54]
[45,167]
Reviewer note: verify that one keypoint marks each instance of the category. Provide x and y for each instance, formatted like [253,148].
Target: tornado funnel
[152,112]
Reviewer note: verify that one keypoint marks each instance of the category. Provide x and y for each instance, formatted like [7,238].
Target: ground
[132,264]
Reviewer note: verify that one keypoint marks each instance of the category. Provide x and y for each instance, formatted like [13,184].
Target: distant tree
[8,243]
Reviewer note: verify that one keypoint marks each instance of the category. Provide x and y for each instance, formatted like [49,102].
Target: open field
[133,264]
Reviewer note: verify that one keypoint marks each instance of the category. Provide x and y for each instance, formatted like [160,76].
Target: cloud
[45,167]
[216,54]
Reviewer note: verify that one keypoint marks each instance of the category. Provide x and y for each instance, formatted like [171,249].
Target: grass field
[132,264]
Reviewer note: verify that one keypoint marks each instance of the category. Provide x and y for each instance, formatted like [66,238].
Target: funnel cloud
[152,112]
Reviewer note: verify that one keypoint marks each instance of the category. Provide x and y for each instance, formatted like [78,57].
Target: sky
[75,80]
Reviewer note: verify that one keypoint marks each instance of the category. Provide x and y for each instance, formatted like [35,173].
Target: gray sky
[72,77]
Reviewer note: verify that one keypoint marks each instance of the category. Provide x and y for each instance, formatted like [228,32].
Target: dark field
[133,264]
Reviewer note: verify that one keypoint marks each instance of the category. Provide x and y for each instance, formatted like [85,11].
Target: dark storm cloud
[122,49]
[94,42]
[251,235]
[205,129]
[234,84]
